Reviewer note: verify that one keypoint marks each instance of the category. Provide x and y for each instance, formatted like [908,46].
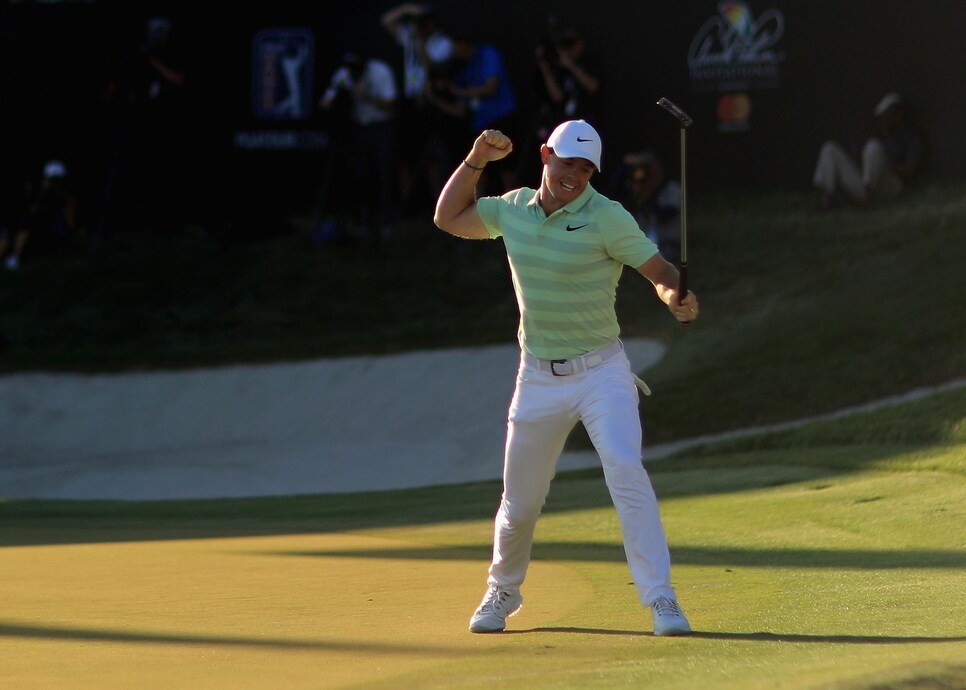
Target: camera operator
[148,182]
[570,81]
[567,85]
[372,86]
[641,184]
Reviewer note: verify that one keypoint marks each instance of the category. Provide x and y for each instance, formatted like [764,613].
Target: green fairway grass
[828,556]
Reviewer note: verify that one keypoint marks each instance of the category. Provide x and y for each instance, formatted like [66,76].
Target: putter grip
[683,287]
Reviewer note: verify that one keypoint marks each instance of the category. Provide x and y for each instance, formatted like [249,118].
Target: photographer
[567,84]
[570,82]
[372,87]
[371,84]
[50,220]
[148,182]
[641,184]
[166,72]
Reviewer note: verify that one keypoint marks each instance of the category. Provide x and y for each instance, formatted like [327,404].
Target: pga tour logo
[733,50]
[282,74]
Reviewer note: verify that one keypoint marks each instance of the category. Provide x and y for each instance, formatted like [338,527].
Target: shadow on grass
[870,559]
[48,633]
[45,632]
[753,637]
[834,639]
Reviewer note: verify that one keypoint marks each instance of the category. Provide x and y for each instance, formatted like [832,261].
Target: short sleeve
[624,239]
[489,209]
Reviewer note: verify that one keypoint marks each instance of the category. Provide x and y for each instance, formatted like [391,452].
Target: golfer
[567,245]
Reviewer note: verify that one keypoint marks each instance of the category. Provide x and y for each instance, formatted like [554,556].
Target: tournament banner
[733,53]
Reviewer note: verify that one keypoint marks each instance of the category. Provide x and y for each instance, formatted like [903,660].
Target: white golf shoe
[498,605]
[668,618]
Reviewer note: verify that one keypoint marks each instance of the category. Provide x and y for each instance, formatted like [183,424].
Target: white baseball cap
[576,139]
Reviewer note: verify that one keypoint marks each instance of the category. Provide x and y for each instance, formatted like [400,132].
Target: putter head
[683,118]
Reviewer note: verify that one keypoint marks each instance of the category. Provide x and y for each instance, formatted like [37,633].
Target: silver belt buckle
[561,362]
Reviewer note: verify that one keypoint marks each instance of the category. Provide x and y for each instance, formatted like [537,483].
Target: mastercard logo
[734,108]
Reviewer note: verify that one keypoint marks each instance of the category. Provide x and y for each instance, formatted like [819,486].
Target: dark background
[840,58]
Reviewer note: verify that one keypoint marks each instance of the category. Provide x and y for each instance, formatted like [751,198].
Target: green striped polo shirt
[565,267]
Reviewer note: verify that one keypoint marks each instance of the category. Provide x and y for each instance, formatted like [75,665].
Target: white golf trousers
[545,408]
[836,170]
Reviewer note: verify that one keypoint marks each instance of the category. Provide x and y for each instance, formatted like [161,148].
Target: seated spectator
[50,219]
[642,186]
[887,162]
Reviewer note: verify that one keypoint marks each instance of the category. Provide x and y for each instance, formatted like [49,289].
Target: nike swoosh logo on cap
[571,229]
[583,140]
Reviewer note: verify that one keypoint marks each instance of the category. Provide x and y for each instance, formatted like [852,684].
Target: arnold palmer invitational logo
[732,50]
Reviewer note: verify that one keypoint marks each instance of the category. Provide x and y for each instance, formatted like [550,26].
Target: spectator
[335,203]
[569,79]
[484,96]
[567,85]
[146,179]
[50,220]
[449,124]
[425,48]
[888,160]
[642,186]
[373,88]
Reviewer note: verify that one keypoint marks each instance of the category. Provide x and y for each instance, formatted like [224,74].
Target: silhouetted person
[50,219]
[887,161]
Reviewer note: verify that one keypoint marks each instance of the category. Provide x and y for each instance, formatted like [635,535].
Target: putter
[685,121]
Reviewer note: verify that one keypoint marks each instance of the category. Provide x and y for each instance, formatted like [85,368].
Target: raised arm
[549,78]
[394,17]
[456,206]
[586,79]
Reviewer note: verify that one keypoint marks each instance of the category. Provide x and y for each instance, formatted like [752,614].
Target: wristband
[471,167]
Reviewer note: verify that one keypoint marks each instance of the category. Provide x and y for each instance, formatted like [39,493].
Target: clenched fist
[491,145]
